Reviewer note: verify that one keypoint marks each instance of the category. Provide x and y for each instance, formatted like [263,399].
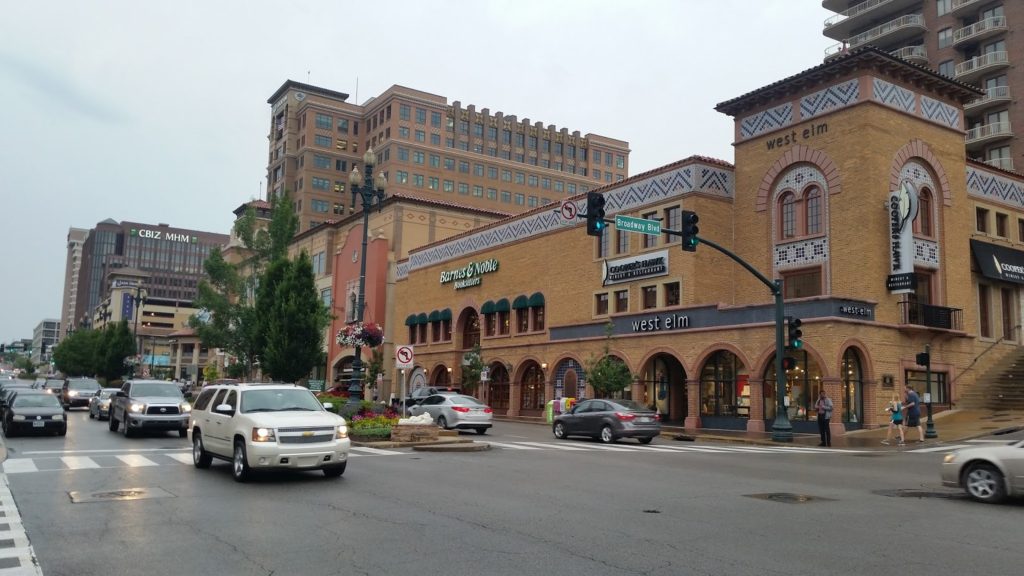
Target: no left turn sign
[568,210]
[403,357]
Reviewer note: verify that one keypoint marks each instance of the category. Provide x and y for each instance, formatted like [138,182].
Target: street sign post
[628,223]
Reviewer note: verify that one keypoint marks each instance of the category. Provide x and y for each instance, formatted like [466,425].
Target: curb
[461,447]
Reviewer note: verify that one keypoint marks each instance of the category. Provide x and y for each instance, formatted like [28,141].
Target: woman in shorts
[895,410]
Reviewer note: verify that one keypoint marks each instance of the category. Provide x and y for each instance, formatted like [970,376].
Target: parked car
[77,391]
[423,392]
[267,426]
[456,411]
[99,403]
[608,420]
[987,473]
[34,411]
[149,405]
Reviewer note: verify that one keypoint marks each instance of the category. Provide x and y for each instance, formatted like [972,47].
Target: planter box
[379,433]
[414,432]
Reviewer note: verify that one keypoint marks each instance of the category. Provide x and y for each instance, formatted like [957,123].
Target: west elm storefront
[1002,270]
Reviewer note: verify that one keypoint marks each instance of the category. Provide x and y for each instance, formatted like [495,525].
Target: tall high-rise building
[69,308]
[978,42]
[429,148]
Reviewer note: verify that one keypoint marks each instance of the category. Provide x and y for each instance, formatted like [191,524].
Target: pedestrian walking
[895,410]
[913,406]
[824,408]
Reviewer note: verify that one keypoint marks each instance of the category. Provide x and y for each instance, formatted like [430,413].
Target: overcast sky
[156,111]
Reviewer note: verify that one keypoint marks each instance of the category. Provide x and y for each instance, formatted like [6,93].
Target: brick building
[824,159]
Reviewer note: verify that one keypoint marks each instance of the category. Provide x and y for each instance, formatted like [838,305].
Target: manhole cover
[124,494]
[919,493]
[788,497]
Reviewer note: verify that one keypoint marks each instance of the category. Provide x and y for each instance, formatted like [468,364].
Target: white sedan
[987,473]
[456,411]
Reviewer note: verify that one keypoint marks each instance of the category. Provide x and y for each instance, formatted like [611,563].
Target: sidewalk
[952,427]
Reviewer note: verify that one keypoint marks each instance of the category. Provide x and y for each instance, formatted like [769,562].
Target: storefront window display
[497,387]
[802,385]
[940,385]
[853,387]
[532,397]
[723,391]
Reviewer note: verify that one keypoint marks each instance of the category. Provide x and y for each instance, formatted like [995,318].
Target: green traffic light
[797,344]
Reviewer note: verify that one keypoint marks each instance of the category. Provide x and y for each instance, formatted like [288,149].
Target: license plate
[644,419]
[38,423]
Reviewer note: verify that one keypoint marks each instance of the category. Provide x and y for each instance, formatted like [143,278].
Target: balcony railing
[912,53]
[988,131]
[1001,163]
[931,316]
[994,95]
[983,29]
[962,6]
[975,66]
[903,23]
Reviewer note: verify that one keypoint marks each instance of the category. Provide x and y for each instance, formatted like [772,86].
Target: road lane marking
[136,461]
[79,462]
[121,450]
[183,458]
[369,450]
[555,446]
[19,465]
[939,448]
[512,446]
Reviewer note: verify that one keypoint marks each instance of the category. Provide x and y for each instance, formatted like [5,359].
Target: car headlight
[18,417]
[186,407]
[105,404]
[58,417]
[263,435]
[137,407]
[73,393]
[342,432]
[949,458]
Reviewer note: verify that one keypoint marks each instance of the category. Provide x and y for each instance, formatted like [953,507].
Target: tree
[607,374]
[75,355]
[295,319]
[210,373]
[374,366]
[114,345]
[26,365]
[472,367]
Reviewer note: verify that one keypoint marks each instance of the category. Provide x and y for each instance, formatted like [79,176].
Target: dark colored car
[77,392]
[8,390]
[34,411]
[608,420]
[52,386]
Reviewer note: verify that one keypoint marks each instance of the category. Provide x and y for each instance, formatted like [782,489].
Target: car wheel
[91,415]
[481,431]
[646,440]
[63,431]
[200,457]
[335,471]
[239,463]
[606,434]
[559,431]
[442,422]
[182,432]
[984,483]
[8,431]
[111,422]
[127,429]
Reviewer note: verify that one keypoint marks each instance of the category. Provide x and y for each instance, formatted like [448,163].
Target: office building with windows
[979,42]
[72,269]
[426,147]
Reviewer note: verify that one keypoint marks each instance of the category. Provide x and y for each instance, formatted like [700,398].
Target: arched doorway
[802,384]
[853,389]
[469,327]
[497,387]
[568,380]
[724,392]
[531,400]
[663,387]
[342,371]
[441,377]
[417,379]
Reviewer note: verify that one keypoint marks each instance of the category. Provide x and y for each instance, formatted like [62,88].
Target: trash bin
[549,409]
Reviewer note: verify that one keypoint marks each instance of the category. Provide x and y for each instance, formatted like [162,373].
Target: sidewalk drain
[788,497]
[919,493]
[119,495]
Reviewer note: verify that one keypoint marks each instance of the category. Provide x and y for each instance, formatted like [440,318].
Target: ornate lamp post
[371,193]
[139,299]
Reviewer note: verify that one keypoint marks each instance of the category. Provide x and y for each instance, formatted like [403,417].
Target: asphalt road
[530,505]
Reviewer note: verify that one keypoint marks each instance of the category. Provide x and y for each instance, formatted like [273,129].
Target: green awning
[446,314]
[537,299]
[501,305]
[421,318]
[487,308]
[411,320]
[435,316]
[521,302]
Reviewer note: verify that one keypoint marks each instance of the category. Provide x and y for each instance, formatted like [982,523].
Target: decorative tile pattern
[714,180]
[402,270]
[926,253]
[893,95]
[939,112]
[829,99]
[768,120]
[802,253]
[918,175]
[991,186]
[797,179]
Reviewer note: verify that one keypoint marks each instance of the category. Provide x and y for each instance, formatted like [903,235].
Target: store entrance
[663,388]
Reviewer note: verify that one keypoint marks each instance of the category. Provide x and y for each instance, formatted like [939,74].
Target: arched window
[923,220]
[812,205]
[788,215]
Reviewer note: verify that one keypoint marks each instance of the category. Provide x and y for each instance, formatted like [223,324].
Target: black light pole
[929,429]
[139,299]
[371,193]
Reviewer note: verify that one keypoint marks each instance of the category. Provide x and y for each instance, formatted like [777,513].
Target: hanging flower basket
[368,335]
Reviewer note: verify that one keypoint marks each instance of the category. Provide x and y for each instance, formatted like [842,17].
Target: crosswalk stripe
[612,448]
[555,446]
[19,465]
[512,446]
[135,461]
[79,462]
[183,458]
[369,450]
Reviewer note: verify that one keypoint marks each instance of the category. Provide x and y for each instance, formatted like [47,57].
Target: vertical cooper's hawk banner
[902,211]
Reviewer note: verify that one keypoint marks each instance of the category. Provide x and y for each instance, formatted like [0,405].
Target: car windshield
[107,392]
[54,383]
[279,400]
[466,400]
[83,385]
[36,401]
[156,389]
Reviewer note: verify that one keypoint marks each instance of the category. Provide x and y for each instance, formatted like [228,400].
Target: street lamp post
[139,299]
[371,193]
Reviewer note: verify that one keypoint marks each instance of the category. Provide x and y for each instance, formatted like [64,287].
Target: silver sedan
[456,411]
[987,473]
[99,403]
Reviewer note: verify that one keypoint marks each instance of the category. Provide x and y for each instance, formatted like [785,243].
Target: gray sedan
[987,473]
[99,403]
[608,420]
[456,411]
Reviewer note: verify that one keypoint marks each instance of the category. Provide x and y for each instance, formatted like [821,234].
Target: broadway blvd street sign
[652,227]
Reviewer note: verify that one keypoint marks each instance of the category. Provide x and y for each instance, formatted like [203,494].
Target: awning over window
[487,308]
[999,262]
[435,316]
[421,318]
[537,299]
[521,302]
[501,305]
[410,320]
[446,314]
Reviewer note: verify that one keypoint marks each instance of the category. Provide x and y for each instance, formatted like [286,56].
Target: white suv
[264,426]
